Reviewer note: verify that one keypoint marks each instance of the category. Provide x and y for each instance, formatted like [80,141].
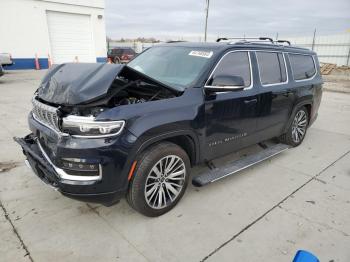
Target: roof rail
[283,41]
[245,38]
[175,41]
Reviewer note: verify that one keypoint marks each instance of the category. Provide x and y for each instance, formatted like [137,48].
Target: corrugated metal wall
[329,48]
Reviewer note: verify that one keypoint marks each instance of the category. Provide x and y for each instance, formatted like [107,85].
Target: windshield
[179,67]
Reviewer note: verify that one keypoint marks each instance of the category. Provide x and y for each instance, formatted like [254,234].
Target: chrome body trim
[217,64]
[70,179]
[251,72]
[285,67]
[45,114]
[59,133]
[307,79]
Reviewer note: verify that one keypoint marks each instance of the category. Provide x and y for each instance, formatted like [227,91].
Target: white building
[62,30]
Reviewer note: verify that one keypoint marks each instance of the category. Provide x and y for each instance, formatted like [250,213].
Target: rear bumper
[41,165]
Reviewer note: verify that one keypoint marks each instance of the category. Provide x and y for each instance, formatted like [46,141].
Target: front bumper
[68,185]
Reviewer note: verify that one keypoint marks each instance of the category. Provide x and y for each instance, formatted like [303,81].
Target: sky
[184,19]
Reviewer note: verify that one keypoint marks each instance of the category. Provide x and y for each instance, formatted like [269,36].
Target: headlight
[81,126]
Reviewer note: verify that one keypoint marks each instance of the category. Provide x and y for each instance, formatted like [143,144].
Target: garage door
[70,37]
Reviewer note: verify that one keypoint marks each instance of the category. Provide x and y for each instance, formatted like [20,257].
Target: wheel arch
[306,103]
[187,144]
[308,107]
[185,139]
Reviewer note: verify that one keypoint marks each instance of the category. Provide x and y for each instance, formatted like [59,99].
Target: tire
[116,60]
[160,185]
[297,130]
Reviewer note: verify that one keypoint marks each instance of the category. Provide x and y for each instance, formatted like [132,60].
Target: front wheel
[159,180]
[297,129]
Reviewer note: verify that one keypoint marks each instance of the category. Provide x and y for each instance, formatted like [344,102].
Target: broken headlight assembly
[88,127]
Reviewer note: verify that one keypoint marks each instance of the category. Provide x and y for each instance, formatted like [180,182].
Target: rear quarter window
[303,66]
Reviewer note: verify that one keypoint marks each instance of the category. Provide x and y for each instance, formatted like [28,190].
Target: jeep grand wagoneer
[103,131]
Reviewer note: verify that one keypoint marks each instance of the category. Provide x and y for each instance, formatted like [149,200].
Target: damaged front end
[80,93]
[71,147]
[35,160]
[82,183]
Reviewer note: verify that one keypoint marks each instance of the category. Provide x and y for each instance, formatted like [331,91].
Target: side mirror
[222,83]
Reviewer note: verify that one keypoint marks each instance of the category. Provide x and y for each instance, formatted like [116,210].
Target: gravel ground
[337,81]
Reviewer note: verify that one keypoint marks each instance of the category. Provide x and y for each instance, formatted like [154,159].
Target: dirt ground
[337,81]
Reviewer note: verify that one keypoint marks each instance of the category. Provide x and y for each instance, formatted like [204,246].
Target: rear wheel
[297,129]
[160,179]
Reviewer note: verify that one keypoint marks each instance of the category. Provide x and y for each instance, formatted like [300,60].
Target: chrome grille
[45,114]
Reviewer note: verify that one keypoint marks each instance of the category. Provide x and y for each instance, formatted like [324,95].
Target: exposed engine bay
[87,95]
[125,91]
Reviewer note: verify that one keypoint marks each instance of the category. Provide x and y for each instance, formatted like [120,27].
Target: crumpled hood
[77,83]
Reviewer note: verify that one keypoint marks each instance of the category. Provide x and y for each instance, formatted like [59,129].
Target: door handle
[251,101]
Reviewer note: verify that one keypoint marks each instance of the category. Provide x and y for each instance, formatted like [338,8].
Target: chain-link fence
[333,49]
[330,48]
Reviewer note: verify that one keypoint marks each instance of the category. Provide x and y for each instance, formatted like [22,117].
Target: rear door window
[272,68]
[235,64]
[303,66]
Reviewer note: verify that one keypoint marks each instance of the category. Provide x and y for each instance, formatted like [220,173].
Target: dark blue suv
[102,131]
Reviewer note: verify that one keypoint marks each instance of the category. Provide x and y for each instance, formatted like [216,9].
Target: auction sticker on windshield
[206,54]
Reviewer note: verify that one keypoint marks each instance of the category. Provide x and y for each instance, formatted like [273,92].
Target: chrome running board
[218,173]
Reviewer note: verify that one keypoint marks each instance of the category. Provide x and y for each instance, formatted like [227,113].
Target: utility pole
[206,20]
[313,41]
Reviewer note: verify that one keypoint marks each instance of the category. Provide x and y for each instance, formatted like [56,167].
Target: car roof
[221,46]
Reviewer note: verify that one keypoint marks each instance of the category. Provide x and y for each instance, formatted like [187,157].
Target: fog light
[77,164]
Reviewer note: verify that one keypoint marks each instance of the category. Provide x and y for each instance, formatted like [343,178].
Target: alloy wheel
[299,126]
[165,182]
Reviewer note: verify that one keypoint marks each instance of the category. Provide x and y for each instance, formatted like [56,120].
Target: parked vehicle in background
[121,55]
[1,70]
[5,59]
[100,131]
